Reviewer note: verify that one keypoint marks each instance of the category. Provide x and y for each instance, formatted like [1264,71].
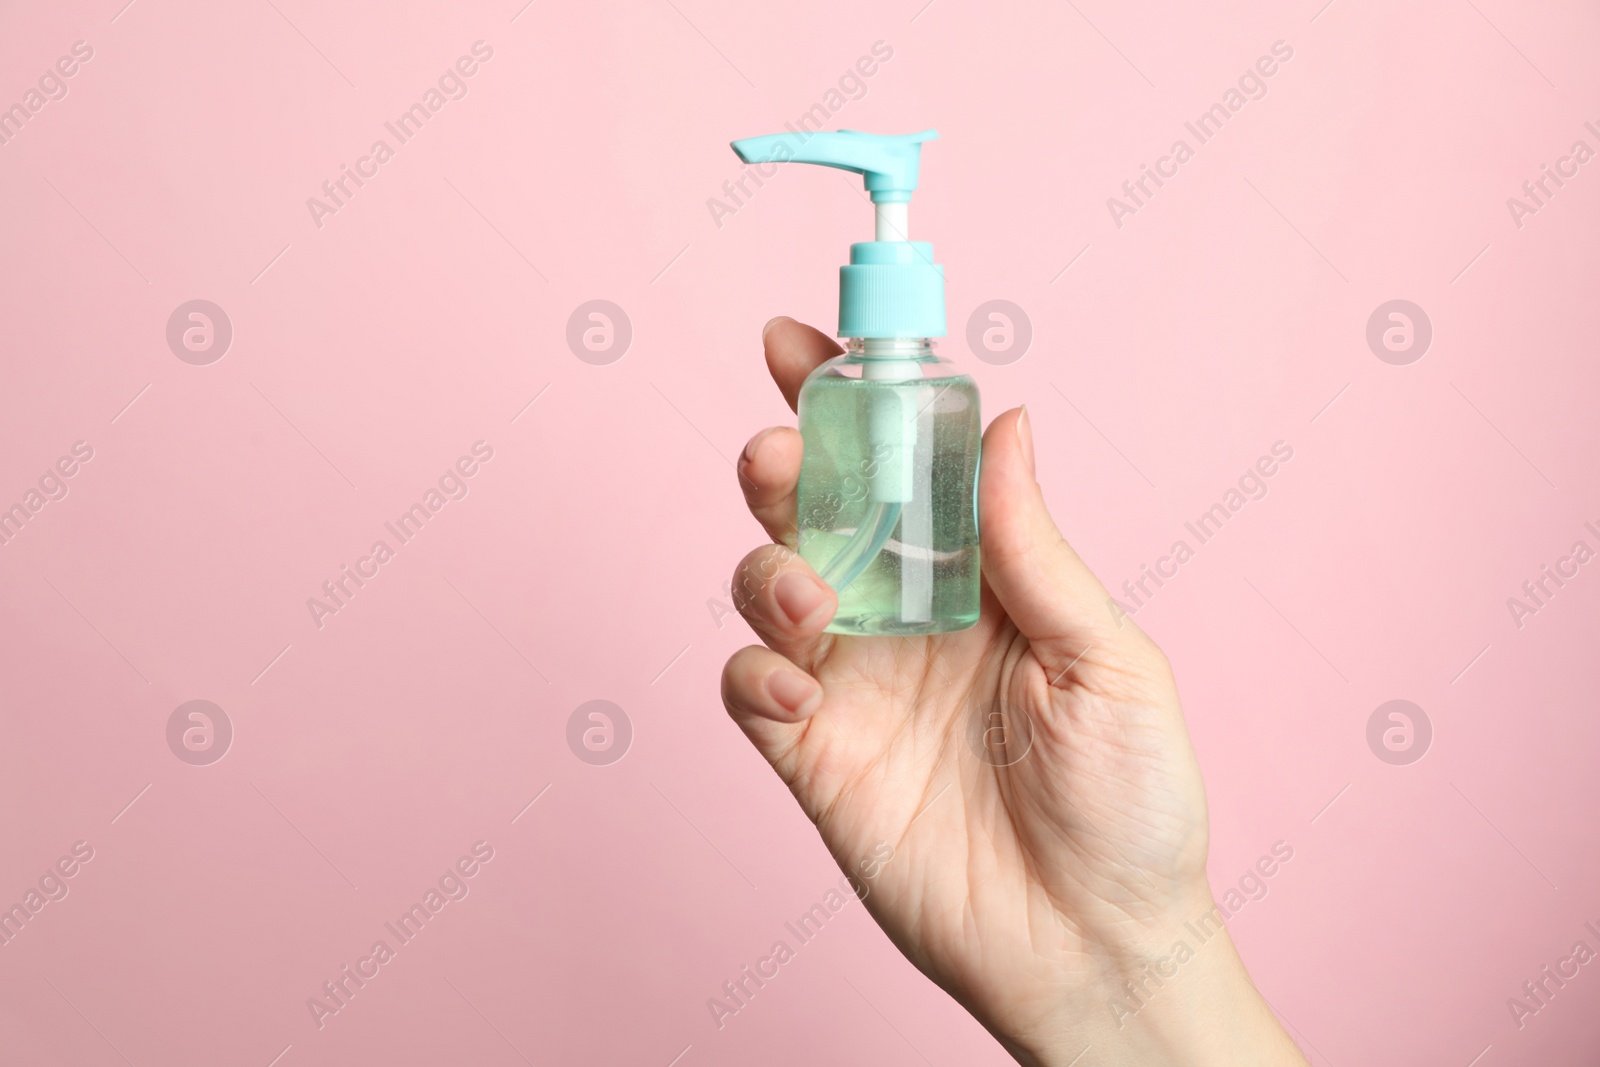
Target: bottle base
[871,625]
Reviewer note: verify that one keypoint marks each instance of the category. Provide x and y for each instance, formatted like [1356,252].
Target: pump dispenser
[888,485]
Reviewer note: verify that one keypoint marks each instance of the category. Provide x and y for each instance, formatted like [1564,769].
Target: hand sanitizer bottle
[888,510]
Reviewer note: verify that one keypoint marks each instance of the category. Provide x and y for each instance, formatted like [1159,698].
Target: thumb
[1044,586]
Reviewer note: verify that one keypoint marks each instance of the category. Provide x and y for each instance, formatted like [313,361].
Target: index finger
[793,351]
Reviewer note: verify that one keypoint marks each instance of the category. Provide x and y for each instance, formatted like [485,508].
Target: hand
[1034,877]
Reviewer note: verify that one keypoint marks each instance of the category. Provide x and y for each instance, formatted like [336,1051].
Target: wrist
[1175,993]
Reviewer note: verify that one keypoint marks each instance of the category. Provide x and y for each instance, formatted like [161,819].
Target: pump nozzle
[889,163]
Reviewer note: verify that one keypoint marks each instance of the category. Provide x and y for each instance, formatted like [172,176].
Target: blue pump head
[888,163]
[891,286]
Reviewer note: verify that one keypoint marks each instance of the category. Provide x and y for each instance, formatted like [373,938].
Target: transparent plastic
[888,488]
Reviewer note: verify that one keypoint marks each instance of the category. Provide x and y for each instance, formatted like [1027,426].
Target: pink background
[589,558]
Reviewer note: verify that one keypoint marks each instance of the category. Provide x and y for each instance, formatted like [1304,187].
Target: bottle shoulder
[853,368]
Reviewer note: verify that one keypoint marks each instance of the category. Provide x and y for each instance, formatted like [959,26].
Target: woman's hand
[1019,802]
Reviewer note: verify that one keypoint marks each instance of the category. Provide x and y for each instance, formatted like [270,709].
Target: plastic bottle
[888,486]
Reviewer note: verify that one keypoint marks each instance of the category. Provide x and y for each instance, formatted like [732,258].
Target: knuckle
[757,571]
[735,673]
[730,674]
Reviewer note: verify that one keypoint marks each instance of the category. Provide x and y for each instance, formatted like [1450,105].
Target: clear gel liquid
[925,577]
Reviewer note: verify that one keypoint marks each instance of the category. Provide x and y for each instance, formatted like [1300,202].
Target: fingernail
[1025,439]
[793,690]
[799,596]
[773,322]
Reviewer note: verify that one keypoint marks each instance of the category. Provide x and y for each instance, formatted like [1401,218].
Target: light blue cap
[890,288]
